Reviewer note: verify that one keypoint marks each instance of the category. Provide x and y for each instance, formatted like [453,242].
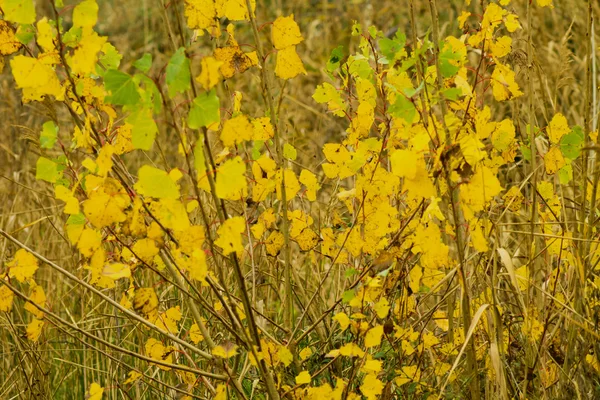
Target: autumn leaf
[23,265]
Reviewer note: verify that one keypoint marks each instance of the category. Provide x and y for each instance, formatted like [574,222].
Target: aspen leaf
[34,329]
[154,182]
[23,265]
[285,355]
[285,32]
[371,387]
[373,337]
[85,14]
[343,320]
[553,160]
[404,163]
[303,378]
[123,90]
[274,243]
[143,128]
[167,321]
[19,11]
[262,129]
[289,64]
[231,181]
[504,86]
[200,14]
[116,271]
[204,110]
[47,170]
[37,296]
[236,130]
[144,63]
[351,350]
[132,377]
[9,43]
[195,334]
[178,73]
[6,299]
[234,60]
[558,128]
[156,350]
[309,180]
[210,75]
[230,235]
[48,136]
[225,350]
[305,353]
[145,302]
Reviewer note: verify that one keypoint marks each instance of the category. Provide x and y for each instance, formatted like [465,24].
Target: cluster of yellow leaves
[286,35]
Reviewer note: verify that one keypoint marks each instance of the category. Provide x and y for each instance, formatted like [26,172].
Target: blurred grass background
[135,27]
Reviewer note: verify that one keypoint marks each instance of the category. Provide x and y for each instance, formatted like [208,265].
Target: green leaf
[25,33]
[178,73]
[150,94]
[124,91]
[72,36]
[49,135]
[204,111]
[154,182]
[19,11]
[451,93]
[47,170]
[144,129]
[565,174]
[359,66]
[393,49]
[144,63]
[335,58]
[347,296]
[110,58]
[448,61]
[403,108]
[289,152]
[526,152]
[571,143]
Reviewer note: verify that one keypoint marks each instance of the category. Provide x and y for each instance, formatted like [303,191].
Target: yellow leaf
[8,41]
[371,387]
[201,14]
[309,180]
[545,3]
[195,334]
[230,235]
[23,265]
[6,299]
[34,329]
[145,302]
[288,64]
[156,350]
[351,350]
[285,355]
[236,130]
[38,297]
[382,308]
[557,128]
[85,14]
[133,376]
[234,60]
[553,160]
[116,271]
[292,186]
[303,378]
[373,336]
[305,353]
[94,392]
[504,86]
[274,243]
[343,320]
[167,321]
[84,58]
[154,182]
[285,32]
[36,78]
[225,350]
[106,203]
[19,11]
[210,74]
[262,128]
[231,181]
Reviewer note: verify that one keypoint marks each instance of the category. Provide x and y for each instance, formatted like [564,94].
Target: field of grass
[408,208]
